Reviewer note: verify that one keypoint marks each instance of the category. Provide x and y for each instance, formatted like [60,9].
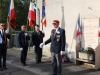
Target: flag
[43,20]
[78,30]
[12,15]
[99,31]
[31,14]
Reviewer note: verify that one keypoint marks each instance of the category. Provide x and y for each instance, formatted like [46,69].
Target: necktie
[54,31]
[3,36]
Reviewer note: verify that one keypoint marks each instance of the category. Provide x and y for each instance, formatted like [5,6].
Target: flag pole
[42,26]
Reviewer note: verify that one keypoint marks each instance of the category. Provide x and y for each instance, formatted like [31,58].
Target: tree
[21,12]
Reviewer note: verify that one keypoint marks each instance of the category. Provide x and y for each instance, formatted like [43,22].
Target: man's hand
[21,49]
[42,31]
[6,31]
[26,34]
[34,47]
[41,45]
[61,52]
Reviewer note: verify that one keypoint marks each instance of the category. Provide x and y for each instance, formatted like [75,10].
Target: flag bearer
[3,46]
[37,38]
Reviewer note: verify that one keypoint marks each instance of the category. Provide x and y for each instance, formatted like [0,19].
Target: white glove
[6,31]
[61,52]
[42,31]
[34,47]
[21,49]
[26,34]
[41,45]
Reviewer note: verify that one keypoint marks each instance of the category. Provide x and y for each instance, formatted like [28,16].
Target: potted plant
[88,53]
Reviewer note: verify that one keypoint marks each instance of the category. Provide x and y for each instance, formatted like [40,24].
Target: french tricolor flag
[78,30]
[99,31]
[12,15]
[43,20]
[31,14]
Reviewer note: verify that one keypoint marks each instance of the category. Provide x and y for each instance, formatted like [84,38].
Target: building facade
[66,11]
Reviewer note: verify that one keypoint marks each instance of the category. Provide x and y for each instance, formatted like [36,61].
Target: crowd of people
[57,40]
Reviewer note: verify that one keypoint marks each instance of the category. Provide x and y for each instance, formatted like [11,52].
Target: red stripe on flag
[31,15]
[78,33]
[43,21]
[99,33]
[13,24]
[12,14]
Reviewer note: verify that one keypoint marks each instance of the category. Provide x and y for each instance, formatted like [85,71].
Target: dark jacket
[22,39]
[37,38]
[5,37]
[57,41]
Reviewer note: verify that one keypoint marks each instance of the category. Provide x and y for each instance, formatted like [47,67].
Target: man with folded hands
[23,38]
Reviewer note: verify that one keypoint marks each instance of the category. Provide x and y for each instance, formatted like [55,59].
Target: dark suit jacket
[21,39]
[37,38]
[57,41]
[6,36]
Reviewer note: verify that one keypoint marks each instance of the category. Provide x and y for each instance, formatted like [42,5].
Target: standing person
[23,38]
[37,38]
[3,46]
[57,39]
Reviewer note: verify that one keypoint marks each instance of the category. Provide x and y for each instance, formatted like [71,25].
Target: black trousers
[38,54]
[3,53]
[23,55]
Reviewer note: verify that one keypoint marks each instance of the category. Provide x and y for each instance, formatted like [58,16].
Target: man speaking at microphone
[57,39]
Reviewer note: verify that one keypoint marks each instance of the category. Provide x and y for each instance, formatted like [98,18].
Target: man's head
[23,27]
[2,26]
[56,23]
[37,27]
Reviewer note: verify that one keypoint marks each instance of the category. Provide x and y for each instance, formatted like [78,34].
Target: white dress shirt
[1,36]
[57,29]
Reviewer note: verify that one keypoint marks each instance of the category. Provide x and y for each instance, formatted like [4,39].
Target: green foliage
[88,50]
[21,12]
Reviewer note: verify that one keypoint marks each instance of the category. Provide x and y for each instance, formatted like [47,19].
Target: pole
[42,26]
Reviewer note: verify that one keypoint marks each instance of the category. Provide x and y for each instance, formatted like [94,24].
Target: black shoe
[54,74]
[24,64]
[1,69]
[41,62]
[37,62]
[5,68]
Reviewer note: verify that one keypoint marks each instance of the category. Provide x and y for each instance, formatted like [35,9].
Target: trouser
[3,53]
[56,63]
[38,54]
[24,55]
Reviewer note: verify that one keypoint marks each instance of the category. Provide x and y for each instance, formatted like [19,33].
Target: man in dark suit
[23,38]
[37,38]
[57,39]
[3,46]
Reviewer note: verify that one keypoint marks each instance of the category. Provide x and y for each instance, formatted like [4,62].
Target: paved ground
[15,68]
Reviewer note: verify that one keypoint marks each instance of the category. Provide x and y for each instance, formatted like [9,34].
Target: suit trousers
[56,63]
[24,54]
[38,54]
[3,53]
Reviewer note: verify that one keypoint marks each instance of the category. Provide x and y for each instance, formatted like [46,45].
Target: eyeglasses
[54,24]
[24,27]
